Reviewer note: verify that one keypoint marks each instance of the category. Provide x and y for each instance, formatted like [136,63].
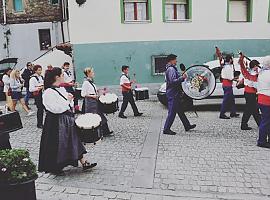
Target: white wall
[100,21]
[24,40]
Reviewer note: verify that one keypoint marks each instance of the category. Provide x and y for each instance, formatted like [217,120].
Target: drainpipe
[62,19]
[4,12]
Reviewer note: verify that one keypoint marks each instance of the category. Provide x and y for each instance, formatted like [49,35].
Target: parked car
[217,95]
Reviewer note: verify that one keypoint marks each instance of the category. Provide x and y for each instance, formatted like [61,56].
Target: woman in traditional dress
[16,85]
[60,145]
[90,94]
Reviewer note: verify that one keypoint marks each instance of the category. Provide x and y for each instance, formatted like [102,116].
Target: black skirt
[60,145]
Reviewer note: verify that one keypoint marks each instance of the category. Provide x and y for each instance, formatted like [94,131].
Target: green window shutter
[250,10]
[189,9]
[122,11]
[18,5]
[150,11]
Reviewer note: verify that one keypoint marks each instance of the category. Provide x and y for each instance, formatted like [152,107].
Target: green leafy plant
[16,166]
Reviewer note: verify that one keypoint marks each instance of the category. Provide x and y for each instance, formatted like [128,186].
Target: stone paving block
[124,196]
[84,191]
[57,188]
[44,187]
[70,190]
[110,195]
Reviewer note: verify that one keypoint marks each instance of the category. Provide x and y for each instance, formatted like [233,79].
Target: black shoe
[109,134]
[235,115]
[86,165]
[169,132]
[40,126]
[265,145]
[246,128]
[122,116]
[190,127]
[138,114]
[224,117]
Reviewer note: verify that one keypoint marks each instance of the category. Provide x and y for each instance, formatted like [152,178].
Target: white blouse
[35,81]
[55,103]
[6,81]
[227,72]
[124,79]
[68,76]
[88,89]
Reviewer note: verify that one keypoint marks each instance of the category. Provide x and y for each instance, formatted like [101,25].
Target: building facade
[29,28]
[107,34]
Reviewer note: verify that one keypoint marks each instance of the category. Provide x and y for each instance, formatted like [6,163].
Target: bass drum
[200,82]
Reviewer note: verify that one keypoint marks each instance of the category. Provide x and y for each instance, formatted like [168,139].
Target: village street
[215,161]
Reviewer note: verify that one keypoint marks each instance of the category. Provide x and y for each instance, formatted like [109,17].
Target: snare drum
[142,93]
[88,127]
[78,93]
[108,103]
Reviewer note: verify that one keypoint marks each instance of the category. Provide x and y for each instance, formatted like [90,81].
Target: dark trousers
[264,129]
[175,107]
[27,96]
[128,98]
[251,109]
[228,103]
[40,109]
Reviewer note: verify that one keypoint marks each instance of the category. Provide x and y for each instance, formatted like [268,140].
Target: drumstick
[241,53]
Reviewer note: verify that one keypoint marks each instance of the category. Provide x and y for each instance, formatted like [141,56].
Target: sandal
[86,165]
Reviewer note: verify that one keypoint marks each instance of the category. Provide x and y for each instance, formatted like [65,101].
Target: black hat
[253,63]
[171,57]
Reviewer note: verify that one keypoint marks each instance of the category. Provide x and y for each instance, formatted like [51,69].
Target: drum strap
[91,82]
[62,96]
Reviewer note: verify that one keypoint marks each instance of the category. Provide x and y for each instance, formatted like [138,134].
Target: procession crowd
[54,94]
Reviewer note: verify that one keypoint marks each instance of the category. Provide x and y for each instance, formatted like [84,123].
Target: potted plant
[80,2]
[17,175]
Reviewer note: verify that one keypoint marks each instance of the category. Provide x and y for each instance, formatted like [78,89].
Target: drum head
[88,121]
[200,82]
[108,98]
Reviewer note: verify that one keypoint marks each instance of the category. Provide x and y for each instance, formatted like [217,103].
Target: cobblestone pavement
[215,161]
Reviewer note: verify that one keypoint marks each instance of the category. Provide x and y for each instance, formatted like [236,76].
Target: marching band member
[60,145]
[227,75]
[69,83]
[6,81]
[36,86]
[90,94]
[127,94]
[263,81]
[251,98]
[16,85]
[173,93]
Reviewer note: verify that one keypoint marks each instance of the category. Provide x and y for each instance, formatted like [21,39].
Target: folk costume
[60,145]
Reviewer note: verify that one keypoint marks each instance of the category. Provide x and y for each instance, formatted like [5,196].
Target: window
[18,5]
[44,39]
[136,10]
[176,10]
[54,1]
[239,11]
[159,64]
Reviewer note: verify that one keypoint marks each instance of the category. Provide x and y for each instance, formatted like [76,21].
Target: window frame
[39,38]
[153,57]
[189,14]
[149,14]
[249,12]
[54,3]
[18,11]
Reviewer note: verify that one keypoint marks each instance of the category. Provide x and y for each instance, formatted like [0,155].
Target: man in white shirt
[127,94]
[36,86]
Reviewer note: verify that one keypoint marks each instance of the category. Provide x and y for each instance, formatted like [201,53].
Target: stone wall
[34,11]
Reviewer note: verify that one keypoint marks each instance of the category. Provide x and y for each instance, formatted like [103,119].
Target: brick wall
[34,11]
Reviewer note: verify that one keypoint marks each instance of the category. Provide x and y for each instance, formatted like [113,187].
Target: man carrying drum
[127,94]
[173,93]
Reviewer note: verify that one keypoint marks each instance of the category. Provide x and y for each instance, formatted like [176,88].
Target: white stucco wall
[24,40]
[100,21]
